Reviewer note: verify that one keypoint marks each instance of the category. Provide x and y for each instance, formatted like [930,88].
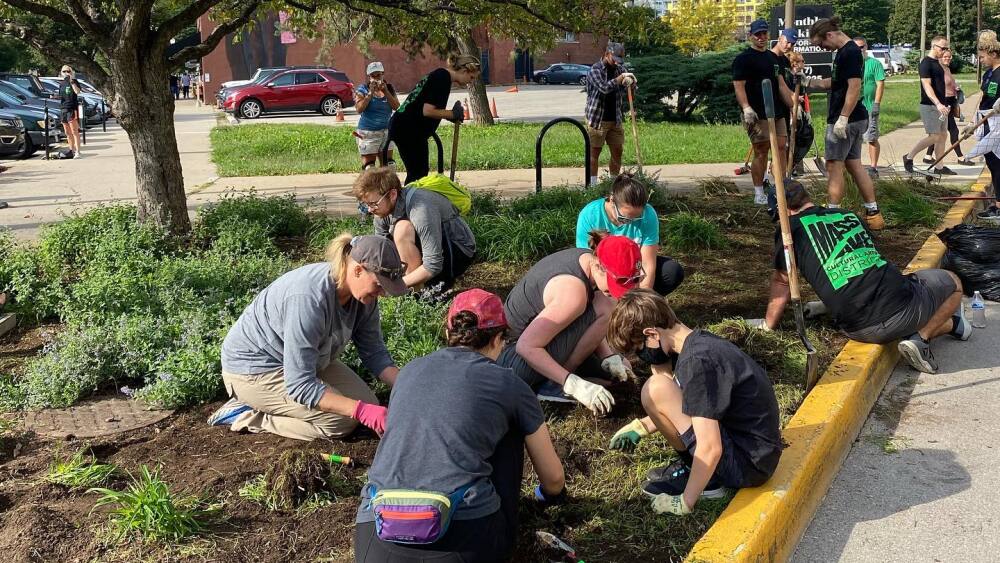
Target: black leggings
[952,128]
[669,275]
[992,161]
[490,538]
[412,151]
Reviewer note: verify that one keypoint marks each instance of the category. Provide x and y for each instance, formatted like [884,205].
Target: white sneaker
[760,198]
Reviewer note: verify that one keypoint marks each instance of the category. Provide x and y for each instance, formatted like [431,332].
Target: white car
[888,65]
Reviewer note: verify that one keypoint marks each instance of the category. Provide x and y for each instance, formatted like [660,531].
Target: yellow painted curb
[765,523]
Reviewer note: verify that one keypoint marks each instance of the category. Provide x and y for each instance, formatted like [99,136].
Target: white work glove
[814,309]
[628,79]
[590,395]
[804,80]
[996,105]
[749,117]
[617,367]
[840,127]
[670,504]
[759,324]
[875,108]
[969,130]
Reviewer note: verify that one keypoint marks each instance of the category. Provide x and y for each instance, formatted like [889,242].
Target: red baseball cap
[487,307]
[622,261]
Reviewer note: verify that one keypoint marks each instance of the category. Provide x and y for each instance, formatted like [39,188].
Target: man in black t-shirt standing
[933,109]
[750,69]
[847,118]
[69,104]
[869,299]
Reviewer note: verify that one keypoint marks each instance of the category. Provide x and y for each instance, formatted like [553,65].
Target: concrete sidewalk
[921,483]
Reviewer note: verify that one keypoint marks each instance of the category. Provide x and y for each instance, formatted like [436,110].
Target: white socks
[871,206]
[593,180]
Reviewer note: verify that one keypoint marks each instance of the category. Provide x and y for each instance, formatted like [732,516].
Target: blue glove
[549,500]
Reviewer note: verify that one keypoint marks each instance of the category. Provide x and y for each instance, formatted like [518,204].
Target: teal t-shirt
[645,231]
[873,73]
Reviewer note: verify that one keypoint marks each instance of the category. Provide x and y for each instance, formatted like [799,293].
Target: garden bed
[146,313]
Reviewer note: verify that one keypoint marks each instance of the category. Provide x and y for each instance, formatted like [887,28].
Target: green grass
[278,149]
[686,231]
[79,471]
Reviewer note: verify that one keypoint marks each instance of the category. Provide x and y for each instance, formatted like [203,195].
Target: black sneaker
[929,160]
[945,171]
[991,214]
[961,328]
[673,478]
[917,352]
[965,162]
[873,173]
[908,164]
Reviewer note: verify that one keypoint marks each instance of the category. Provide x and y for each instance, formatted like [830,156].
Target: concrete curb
[765,523]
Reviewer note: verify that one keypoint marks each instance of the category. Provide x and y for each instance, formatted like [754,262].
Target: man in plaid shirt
[607,84]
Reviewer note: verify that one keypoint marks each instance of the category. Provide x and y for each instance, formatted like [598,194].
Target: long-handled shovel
[454,150]
[812,361]
[794,125]
[635,130]
[971,131]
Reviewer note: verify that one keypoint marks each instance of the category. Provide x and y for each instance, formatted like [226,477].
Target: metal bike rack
[384,150]
[538,150]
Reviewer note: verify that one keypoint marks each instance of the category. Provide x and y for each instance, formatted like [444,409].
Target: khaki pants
[275,412]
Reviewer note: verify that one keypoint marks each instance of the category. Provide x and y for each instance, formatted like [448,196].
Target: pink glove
[372,416]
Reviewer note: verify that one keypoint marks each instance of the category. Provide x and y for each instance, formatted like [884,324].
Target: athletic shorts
[67,115]
[761,133]
[933,121]
[370,142]
[560,348]
[871,134]
[734,470]
[609,131]
[930,289]
[845,149]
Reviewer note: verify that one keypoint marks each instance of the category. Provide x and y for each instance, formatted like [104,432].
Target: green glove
[628,436]
[670,504]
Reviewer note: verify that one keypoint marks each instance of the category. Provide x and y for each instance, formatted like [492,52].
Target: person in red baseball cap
[458,426]
[558,317]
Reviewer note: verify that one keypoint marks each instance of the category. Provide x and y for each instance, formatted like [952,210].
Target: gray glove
[875,108]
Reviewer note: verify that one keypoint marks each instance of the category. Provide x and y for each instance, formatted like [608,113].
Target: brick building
[503,63]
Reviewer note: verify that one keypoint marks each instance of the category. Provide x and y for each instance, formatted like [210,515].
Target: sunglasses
[391,273]
[943,48]
[373,205]
[634,278]
[65,72]
[624,219]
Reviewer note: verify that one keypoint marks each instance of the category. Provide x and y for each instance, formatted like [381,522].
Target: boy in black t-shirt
[714,405]
[868,298]
[934,109]
[750,69]
[847,118]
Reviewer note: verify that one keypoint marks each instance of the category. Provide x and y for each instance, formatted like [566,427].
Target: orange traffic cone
[512,90]
[493,108]
[340,114]
[468,116]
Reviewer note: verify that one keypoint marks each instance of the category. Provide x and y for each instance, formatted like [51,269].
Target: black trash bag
[984,278]
[978,244]
[804,134]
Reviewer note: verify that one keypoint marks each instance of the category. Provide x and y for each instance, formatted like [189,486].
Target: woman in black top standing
[69,103]
[420,114]
[989,54]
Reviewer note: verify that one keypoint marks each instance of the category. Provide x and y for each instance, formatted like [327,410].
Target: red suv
[323,90]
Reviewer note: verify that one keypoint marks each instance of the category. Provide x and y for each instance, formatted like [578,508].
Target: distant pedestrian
[804,132]
[375,101]
[607,84]
[847,118]
[933,105]
[872,88]
[186,84]
[952,90]
[69,107]
[989,54]
[175,89]
[750,69]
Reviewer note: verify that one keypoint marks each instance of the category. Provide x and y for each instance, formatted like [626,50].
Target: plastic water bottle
[978,311]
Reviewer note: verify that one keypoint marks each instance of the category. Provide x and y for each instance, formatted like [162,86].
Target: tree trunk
[144,107]
[479,102]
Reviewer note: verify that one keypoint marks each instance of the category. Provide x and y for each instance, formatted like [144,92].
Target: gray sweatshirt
[297,324]
[436,221]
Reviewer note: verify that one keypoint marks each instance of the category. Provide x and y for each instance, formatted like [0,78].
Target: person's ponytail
[595,237]
[338,253]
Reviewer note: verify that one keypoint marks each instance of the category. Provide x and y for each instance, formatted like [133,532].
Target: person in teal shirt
[626,212]
[872,87]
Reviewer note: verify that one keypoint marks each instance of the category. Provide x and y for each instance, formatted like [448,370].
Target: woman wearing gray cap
[279,361]
[375,101]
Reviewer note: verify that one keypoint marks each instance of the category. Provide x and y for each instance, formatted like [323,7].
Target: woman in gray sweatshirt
[279,361]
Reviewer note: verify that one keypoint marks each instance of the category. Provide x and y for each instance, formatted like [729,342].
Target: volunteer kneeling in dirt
[435,243]
[626,212]
[713,404]
[558,314]
[465,445]
[868,298]
[279,361]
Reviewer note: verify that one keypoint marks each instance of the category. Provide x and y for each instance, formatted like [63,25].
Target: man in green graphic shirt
[872,88]
[869,299]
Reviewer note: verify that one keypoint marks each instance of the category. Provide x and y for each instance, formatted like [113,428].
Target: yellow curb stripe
[765,523]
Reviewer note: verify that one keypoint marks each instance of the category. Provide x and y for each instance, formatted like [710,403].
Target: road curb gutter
[765,523]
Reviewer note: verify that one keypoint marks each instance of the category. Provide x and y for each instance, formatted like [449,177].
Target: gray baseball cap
[617,51]
[379,256]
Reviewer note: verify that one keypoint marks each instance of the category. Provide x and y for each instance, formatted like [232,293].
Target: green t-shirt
[873,73]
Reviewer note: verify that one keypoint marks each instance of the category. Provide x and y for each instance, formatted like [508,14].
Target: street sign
[819,62]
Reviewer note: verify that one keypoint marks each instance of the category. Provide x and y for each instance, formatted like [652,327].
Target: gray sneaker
[553,392]
[962,329]
[991,214]
[918,354]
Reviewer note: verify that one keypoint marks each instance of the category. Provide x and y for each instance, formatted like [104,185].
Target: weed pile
[296,479]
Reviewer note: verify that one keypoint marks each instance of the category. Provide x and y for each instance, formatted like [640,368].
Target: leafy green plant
[277,216]
[324,229]
[686,231]
[148,511]
[79,471]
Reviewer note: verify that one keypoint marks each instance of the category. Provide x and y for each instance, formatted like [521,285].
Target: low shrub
[324,229]
[278,216]
[686,231]
[508,237]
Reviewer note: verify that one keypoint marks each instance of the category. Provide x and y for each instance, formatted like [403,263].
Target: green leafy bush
[687,231]
[324,229]
[278,216]
[694,87]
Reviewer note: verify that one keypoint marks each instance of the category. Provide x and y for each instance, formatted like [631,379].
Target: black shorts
[67,115]
[456,262]
[931,288]
[734,469]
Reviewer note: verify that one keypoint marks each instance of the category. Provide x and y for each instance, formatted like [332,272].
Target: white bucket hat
[374,67]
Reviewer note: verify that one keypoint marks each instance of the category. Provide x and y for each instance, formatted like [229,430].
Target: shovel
[454,150]
[553,542]
[794,125]
[812,361]
[635,131]
[971,131]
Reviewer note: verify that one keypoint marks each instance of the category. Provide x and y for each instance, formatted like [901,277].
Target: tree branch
[52,50]
[534,13]
[217,35]
[53,14]
[99,34]
[182,19]
[311,9]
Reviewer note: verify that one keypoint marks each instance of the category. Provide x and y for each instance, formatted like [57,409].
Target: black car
[563,73]
[11,135]
[29,82]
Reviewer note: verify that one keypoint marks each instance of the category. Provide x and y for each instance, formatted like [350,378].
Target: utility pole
[979,29]
[789,14]
[923,27]
[947,19]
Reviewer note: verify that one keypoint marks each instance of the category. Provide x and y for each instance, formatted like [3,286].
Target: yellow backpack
[457,194]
